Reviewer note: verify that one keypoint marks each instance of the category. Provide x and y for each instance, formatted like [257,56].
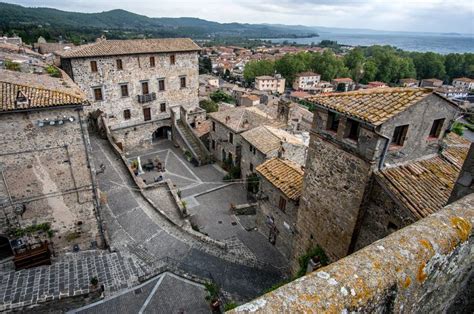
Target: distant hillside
[52,24]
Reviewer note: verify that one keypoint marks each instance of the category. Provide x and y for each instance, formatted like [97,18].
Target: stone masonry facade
[46,177]
[338,175]
[137,69]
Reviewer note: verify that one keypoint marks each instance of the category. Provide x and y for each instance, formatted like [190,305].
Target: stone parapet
[419,269]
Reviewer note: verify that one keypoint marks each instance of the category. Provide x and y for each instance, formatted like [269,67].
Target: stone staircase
[195,147]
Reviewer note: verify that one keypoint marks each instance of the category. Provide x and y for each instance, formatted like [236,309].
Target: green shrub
[44,227]
[458,128]
[230,306]
[208,105]
[212,291]
[304,259]
[253,183]
[12,66]
[219,96]
[53,71]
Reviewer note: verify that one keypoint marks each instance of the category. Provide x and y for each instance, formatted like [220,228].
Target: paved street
[208,200]
[135,228]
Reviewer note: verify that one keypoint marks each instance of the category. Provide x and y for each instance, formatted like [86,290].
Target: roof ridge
[43,89]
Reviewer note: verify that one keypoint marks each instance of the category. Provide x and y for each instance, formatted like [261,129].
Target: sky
[392,15]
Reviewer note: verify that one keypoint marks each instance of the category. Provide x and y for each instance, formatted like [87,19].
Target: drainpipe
[385,148]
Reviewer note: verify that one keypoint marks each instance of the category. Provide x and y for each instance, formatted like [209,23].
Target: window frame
[333,119]
[350,123]
[437,126]
[213,126]
[147,114]
[121,90]
[127,114]
[231,138]
[399,135]
[145,83]
[160,81]
[172,59]
[152,62]
[181,80]
[94,67]
[282,203]
[119,64]
[94,90]
[162,107]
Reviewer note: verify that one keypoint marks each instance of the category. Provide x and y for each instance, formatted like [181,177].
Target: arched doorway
[163,132]
[5,248]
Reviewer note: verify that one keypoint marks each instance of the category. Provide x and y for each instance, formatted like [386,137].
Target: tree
[290,65]
[205,65]
[219,96]
[329,65]
[429,65]
[256,68]
[208,105]
[354,60]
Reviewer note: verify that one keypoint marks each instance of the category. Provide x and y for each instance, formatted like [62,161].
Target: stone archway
[5,248]
[162,133]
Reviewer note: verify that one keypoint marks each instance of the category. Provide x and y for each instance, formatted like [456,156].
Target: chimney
[227,119]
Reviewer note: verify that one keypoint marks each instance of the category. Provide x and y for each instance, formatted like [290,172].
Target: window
[182,81]
[231,138]
[119,64]
[251,167]
[333,121]
[161,85]
[213,144]
[124,90]
[213,126]
[146,114]
[436,128]
[152,62]
[172,59]
[98,94]
[352,129]
[163,107]
[126,114]
[399,135]
[282,203]
[94,66]
[145,90]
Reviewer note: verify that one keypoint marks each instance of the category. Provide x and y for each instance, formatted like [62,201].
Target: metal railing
[146,98]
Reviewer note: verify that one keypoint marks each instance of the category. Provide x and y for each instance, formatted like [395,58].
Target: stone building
[273,84]
[249,100]
[306,81]
[343,84]
[356,138]
[226,129]
[136,83]
[297,117]
[46,176]
[409,82]
[431,83]
[265,142]
[464,83]
[281,183]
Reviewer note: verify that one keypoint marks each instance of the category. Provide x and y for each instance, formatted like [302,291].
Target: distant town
[177,176]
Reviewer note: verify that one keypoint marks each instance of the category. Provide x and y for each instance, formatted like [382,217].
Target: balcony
[146,98]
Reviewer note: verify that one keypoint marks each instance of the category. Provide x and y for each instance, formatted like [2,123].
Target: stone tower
[353,135]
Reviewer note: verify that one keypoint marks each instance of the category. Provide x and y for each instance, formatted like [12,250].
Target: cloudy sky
[401,15]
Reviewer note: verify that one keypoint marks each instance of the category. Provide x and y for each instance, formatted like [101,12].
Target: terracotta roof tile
[285,175]
[424,186]
[267,138]
[374,106]
[131,46]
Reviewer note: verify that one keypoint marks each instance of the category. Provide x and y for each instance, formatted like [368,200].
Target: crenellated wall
[421,268]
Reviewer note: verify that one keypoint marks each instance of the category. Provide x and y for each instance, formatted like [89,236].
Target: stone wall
[334,185]
[221,137]
[420,120]
[46,172]
[465,183]
[381,216]
[284,221]
[419,269]
[136,69]
[249,157]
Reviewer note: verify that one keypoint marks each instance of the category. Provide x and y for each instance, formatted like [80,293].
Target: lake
[443,44]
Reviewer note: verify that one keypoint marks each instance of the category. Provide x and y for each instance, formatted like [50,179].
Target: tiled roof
[39,90]
[307,74]
[464,79]
[374,106]
[265,77]
[343,80]
[285,175]
[424,186]
[131,46]
[409,80]
[241,119]
[267,138]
